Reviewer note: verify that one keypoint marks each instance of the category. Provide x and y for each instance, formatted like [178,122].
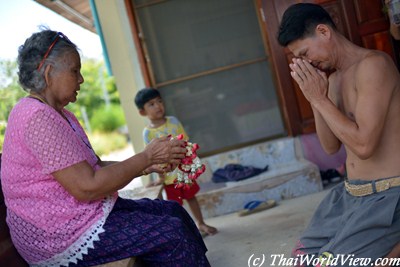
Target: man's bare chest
[343,92]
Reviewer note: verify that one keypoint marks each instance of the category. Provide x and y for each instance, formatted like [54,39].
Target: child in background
[150,104]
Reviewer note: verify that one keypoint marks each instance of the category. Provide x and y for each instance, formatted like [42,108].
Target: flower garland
[190,167]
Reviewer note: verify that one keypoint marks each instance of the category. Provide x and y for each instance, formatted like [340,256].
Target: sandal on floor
[256,206]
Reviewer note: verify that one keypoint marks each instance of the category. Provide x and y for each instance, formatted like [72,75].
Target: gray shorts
[368,227]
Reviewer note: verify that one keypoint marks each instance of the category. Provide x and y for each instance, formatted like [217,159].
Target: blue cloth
[236,172]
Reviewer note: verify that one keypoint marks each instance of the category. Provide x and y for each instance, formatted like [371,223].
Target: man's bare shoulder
[377,65]
[376,58]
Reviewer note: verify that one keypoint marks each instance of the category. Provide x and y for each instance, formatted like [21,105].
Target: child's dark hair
[145,95]
[299,21]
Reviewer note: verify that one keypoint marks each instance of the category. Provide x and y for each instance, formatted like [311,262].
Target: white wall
[124,63]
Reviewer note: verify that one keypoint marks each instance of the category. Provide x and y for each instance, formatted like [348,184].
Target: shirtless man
[357,105]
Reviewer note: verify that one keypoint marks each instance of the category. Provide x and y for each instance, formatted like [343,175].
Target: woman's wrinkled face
[66,79]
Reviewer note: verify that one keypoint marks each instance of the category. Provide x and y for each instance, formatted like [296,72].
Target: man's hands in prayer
[312,81]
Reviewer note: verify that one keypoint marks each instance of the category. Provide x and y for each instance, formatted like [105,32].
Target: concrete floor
[261,234]
[242,240]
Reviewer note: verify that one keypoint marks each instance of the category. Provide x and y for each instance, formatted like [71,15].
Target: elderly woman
[63,209]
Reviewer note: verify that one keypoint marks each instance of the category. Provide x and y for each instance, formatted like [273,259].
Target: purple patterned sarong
[158,232]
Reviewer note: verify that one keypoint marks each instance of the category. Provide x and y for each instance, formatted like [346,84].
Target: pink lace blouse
[48,226]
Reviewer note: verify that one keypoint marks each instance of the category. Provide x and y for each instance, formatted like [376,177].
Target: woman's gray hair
[32,53]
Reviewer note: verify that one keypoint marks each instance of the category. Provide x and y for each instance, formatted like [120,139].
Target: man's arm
[316,86]
[330,143]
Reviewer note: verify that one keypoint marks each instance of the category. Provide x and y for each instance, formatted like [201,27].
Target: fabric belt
[361,190]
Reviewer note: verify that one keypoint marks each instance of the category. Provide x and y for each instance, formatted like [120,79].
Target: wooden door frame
[138,43]
[281,71]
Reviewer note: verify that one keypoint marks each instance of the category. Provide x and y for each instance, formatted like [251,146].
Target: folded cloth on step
[236,172]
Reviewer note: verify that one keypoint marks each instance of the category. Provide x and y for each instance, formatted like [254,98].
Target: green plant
[105,143]
[10,90]
[2,131]
[107,119]
[1,142]
[97,93]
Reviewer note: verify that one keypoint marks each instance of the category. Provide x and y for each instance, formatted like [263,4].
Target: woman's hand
[84,183]
[158,168]
[166,152]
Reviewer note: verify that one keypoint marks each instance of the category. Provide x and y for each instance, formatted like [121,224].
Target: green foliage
[107,119]
[2,130]
[98,96]
[99,89]
[10,93]
[10,90]
[105,143]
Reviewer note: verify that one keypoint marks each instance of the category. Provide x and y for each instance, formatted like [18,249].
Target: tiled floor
[242,240]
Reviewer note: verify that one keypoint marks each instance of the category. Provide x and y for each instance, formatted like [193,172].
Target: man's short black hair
[145,95]
[299,21]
